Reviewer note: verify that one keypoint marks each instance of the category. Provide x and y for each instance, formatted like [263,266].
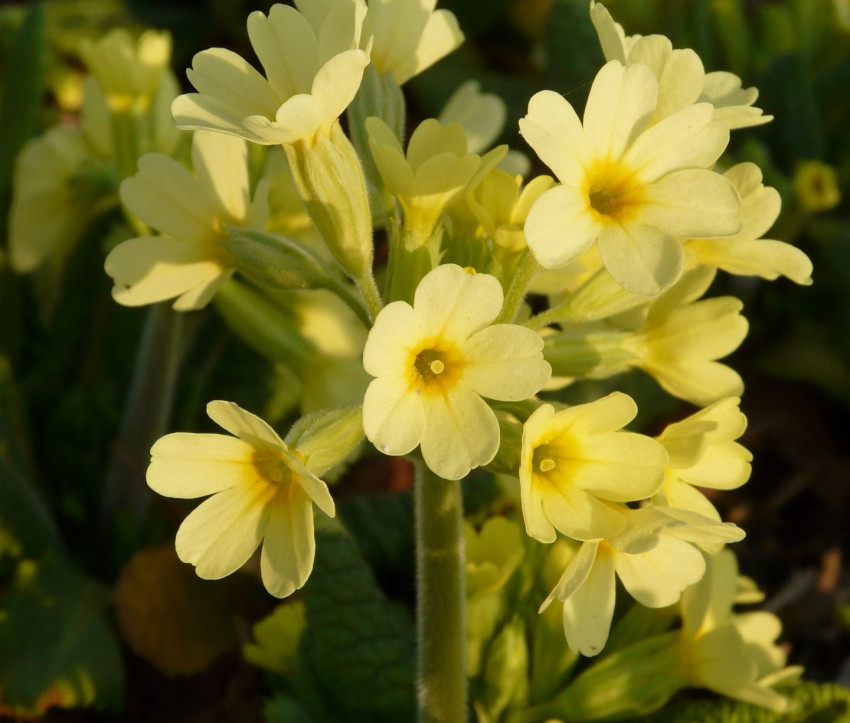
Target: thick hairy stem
[441,598]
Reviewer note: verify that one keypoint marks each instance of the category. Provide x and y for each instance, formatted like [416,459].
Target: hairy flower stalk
[440,598]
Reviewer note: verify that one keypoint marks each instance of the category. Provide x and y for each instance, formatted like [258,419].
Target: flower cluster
[438,356]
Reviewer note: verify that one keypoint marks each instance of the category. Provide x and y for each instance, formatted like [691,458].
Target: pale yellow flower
[191,212]
[128,71]
[633,189]
[734,655]
[436,171]
[313,69]
[409,36]
[335,376]
[703,453]
[681,338]
[654,566]
[435,360]
[746,253]
[501,205]
[816,186]
[483,117]
[577,468]
[682,80]
[49,210]
[262,491]
[492,554]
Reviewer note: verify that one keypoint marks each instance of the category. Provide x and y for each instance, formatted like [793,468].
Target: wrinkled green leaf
[825,703]
[356,642]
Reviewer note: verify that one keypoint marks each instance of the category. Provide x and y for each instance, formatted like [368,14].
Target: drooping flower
[483,117]
[51,203]
[682,336]
[746,253]
[633,189]
[681,77]
[501,205]
[263,491]
[436,170]
[129,72]
[703,453]
[578,467]
[434,361]
[313,69]
[732,654]
[409,37]
[653,556]
[187,260]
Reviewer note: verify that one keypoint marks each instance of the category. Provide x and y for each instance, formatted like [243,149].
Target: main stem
[441,598]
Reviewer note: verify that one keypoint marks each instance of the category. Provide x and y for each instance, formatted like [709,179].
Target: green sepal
[632,682]
[505,680]
[594,352]
[275,261]
[326,438]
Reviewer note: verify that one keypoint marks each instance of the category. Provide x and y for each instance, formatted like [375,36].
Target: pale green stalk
[146,412]
[441,597]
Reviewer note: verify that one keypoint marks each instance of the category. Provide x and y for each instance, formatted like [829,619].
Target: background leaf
[357,644]
[55,647]
[169,616]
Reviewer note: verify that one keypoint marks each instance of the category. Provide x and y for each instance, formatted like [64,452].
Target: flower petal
[165,195]
[505,361]
[336,83]
[560,226]
[689,138]
[574,574]
[454,304]
[657,577]
[554,131]
[221,534]
[461,433]
[692,204]
[154,268]
[287,48]
[588,612]
[195,465]
[289,547]
[221,163]
[194,111]
[388,346]
[393,416]
[577,514]
[619,107]
[642,259]
[229,79]
[241,423]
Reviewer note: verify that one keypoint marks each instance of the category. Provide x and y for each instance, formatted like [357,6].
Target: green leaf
[815,703]
[55,647]
[281,709]
[359,647]
[22,92]
[382,524]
